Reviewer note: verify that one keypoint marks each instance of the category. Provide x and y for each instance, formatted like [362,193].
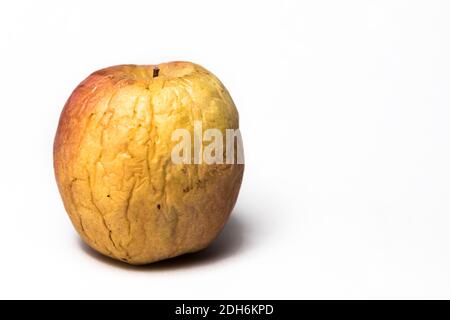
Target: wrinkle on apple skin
[112,162]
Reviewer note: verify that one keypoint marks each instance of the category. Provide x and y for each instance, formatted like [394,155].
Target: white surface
[345,112]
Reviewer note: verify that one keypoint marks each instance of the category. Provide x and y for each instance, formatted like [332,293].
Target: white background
[345,115]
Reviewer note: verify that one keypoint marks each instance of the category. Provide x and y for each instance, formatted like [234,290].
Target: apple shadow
[229,243]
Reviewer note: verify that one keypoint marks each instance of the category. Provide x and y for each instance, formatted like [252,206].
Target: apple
[113,160]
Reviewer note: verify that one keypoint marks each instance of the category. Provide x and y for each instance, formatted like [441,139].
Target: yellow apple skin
[112,160]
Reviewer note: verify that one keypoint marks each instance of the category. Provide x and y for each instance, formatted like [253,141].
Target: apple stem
[155,72]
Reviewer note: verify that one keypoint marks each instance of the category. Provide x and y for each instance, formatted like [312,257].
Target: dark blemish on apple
[158,206]
[187,189]
[155,72]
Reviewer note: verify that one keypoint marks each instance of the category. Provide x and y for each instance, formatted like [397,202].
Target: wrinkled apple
[113,161]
